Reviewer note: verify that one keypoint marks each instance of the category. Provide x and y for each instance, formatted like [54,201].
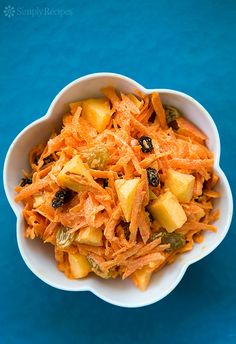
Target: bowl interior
[39,257]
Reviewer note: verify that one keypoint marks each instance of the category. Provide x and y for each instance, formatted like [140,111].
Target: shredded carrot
[158,107]
[138,200]
[188,129]
[212,193]
[138,263]
[198,237]
[70,196]
[32,189]
[144,226]
[109,231]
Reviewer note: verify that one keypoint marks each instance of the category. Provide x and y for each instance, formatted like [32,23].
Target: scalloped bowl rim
[87,286]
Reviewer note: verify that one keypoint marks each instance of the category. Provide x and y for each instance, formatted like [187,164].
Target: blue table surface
[184,45]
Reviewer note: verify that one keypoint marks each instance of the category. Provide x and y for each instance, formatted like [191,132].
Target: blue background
[184,45]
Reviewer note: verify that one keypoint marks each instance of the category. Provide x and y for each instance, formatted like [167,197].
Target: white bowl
[39,257]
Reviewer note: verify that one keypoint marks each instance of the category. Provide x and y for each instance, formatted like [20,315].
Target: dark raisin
[153,177]
[105,183]
[174,125]
[146,144]
[25,181]
[48,159]
[125,226]
[176,240]
[61,197]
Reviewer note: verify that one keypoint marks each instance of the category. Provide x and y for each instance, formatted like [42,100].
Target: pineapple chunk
[167,210]
[90,236]
[79,265]
[126,190]
[97,112]
[66,182]
[141,277]
[38,200]
[75,166]
[135,100]
[180,184]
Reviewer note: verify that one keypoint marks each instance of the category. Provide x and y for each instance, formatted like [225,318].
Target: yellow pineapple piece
[90,236]
[168,212]
[126,190]
[74,166]
[79,265]
[141,277]
[180,184]
[97,112]
[67,182]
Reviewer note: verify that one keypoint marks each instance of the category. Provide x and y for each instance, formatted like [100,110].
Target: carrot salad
[125,187]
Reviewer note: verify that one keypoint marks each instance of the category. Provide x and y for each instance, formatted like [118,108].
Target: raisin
[153,176]
[171,114]
[97,270]
[25,181]
[146,144]
[61,197]
[97,157]
[176,240]
[63,237]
